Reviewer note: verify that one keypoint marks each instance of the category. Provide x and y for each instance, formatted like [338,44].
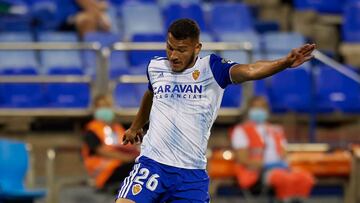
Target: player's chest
[191,85]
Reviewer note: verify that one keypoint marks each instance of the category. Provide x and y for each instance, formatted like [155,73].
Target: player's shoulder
[158,62]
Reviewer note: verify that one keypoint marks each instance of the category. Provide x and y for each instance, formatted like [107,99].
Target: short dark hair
[184,28]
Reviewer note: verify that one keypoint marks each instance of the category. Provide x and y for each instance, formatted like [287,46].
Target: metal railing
[53,46]
[102,83]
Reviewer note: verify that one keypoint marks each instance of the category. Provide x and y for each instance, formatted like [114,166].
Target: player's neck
[192,64]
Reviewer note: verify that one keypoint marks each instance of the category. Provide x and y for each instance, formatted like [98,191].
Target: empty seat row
[290,90]
[48,15]
[265,46]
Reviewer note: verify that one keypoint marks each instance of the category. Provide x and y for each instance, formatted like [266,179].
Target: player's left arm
[261,69]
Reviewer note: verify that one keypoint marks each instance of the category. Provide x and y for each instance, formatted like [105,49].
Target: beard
[190,61]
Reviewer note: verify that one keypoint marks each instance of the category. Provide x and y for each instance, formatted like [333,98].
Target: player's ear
[198,48]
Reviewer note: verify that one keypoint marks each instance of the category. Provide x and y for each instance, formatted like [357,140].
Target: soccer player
[181,103]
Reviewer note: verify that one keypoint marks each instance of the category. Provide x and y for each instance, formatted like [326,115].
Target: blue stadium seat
[118,59]
[61,58]
[232,97]
[342,95]
[16,17]
[260,87]
[140,59]
[122,2]
[17,59]
[290,90]
[21,95]
[134,23]
[239,19]
[351,24]
[242,56]
[129,95]
[67,95]
[46,13]
[14,162]
[165,3]
[181,10]
[323,6]
[282,42]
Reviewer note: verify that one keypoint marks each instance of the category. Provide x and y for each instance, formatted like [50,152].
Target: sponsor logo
[136,189]
[185,91]
[196,74]
[227,61]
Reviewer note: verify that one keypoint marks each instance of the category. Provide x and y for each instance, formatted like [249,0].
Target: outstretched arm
[134,133]
[262,69]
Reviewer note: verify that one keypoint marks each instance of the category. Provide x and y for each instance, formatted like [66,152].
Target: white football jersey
[185,106]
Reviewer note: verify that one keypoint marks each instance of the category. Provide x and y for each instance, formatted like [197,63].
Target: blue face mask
[104,114]
[258,115]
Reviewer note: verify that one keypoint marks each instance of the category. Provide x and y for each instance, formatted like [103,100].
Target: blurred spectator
[84,15]
[261,159]
[107,161]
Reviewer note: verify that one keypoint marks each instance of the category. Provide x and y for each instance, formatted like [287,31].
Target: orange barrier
[220,167]
[338,163]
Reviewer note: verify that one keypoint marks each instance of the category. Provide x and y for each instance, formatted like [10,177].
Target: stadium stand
[193,11]
[133,23]
[17,59]
[141,58]
[291,93]
[118,59]
[67,95]
[342,95]
[55,59]
[222,21]
[323,6]
[242,37]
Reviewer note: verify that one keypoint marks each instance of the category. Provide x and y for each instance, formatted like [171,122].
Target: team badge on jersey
[196,74]
[136,189]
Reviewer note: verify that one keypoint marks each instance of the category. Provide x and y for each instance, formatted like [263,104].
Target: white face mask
[258,115]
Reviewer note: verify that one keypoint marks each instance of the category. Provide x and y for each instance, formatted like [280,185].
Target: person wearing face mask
[106,160]
[261,158]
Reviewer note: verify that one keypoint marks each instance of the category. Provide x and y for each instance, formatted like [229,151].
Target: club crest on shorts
[136,189]
[196,74]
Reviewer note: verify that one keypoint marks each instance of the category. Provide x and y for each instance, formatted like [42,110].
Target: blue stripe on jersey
[220,68]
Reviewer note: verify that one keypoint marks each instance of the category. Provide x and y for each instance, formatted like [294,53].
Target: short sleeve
[239,139]
[220,68]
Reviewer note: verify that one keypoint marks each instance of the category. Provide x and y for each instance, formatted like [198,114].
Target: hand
[300,55]
[133,136]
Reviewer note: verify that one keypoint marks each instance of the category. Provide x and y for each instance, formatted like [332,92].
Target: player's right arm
[134,133]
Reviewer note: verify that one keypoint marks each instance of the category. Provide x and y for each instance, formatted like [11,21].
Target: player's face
[182,53]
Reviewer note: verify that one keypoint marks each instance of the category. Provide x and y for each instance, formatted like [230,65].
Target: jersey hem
[176,165]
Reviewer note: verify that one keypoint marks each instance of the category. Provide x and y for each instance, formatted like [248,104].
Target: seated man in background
[107,161]
[84,15]
[261,157]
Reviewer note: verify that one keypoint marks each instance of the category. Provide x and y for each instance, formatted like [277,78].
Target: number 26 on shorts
[151,183]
